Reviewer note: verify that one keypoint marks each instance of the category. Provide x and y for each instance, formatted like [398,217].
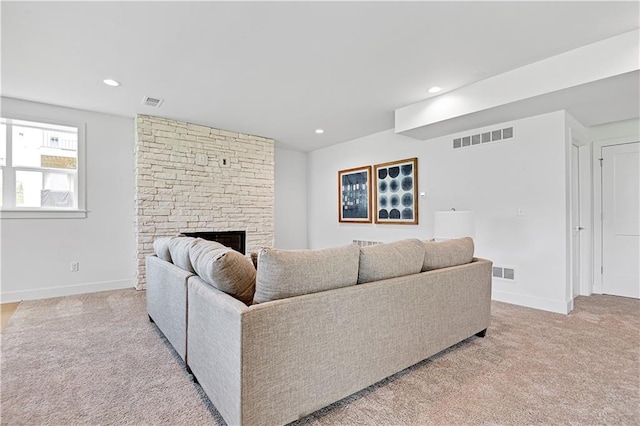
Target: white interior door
[621,220]
[575,221]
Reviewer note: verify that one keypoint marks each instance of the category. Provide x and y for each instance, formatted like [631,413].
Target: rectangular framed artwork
[396,192]
[354,195]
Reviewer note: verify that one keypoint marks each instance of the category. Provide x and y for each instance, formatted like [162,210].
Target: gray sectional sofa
[322,324]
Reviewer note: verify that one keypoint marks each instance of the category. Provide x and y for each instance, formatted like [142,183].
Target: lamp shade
[454,224]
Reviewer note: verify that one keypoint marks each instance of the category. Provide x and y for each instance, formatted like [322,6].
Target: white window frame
[8,178]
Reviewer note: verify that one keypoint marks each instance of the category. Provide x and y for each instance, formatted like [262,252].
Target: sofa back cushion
[442,254]
[225,269]
[179,251]
[390,260]
[161,248]
[199,246]
[288,273]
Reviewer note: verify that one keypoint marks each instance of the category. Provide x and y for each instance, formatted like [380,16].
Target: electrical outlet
[75,266]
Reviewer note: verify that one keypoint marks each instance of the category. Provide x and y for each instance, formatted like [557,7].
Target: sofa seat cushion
[443,254]
[288,273]
[390,260]
[225,269]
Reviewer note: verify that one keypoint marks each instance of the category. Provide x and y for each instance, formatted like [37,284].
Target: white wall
[36,252]
[494,180]
[290,199]
[323,166]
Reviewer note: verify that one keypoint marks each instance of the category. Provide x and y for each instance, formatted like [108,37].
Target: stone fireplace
[192,178]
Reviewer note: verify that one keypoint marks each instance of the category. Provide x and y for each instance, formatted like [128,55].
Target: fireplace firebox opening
[234,239]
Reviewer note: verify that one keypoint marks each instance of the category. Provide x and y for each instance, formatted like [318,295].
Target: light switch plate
[201,159]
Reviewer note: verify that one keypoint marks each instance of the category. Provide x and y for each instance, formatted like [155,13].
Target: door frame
[574,210]
[580,140]
[597,204]
[586,217]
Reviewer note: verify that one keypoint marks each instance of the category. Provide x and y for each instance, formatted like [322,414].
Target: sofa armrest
[215,345]
[167,301]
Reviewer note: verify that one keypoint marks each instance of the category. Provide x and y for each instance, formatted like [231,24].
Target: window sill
[43,214]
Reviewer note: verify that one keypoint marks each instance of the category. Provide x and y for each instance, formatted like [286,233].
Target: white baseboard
[49,292]
[533,302]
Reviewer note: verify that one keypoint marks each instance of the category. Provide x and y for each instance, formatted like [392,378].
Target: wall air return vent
[496,135]
[508,274]
[363,243]
[505,273]
[152,102]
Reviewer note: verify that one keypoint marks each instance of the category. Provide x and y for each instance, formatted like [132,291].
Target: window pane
[26,146]
[28,188]
[44,189]
[3,144]
[57,181]
[42,145]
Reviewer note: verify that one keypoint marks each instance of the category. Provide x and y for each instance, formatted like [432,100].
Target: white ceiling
[283,69]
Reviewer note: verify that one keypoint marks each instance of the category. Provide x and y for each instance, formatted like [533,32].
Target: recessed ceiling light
[435,89]
[319,131]
[111,82]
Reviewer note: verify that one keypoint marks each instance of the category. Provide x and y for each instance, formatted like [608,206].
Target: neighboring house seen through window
[40,168]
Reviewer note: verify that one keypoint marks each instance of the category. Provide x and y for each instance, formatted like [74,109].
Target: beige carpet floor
[95,359]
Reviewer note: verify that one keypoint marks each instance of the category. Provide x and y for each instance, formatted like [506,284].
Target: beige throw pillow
[288,273]
[443,254]
[390,260]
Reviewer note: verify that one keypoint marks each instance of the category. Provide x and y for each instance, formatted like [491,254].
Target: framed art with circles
[396,191]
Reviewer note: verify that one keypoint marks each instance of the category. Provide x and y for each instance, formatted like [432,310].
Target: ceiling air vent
[152,102]
[496,135]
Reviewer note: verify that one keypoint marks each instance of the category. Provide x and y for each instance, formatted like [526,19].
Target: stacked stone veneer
[182,184]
